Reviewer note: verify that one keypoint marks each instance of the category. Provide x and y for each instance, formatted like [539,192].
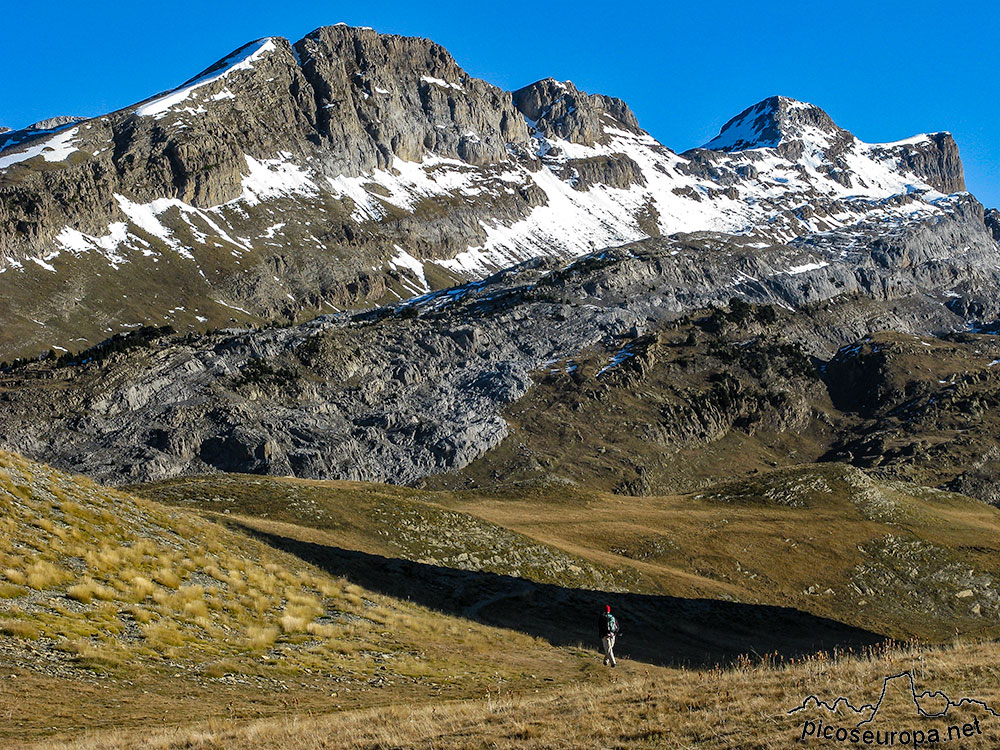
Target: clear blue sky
[884,70]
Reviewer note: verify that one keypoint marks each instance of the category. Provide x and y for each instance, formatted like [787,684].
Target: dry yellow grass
[745,706]
[123,584]
[19,629]
[89,589]
[218,603]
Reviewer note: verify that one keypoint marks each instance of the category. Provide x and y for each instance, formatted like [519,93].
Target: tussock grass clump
[141,587]
[45,575]
[217,669]
[89,589]
[167,577]
[11,591]
[15,576]
[20,629]
[261,636]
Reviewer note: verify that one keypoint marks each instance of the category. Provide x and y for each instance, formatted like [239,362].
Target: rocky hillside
[429,385]
[354,167]
[731,392]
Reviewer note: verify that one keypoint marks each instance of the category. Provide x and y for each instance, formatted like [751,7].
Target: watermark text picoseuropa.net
[947,719]
[889,737]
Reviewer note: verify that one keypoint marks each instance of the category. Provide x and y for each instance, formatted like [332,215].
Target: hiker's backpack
[610,623]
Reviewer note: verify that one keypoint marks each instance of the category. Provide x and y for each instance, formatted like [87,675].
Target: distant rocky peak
[775,121]
[804,133]
[558,109]
[52,123]
[5,130]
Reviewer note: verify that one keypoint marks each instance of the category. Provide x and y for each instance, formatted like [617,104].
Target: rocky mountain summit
[797,130]
[353,168]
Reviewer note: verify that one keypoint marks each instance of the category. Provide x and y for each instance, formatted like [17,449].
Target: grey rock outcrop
[51,123]
[992,218]
[380,97]
[935,158]
[558,109]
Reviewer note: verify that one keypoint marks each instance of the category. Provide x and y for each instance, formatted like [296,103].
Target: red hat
[607,607]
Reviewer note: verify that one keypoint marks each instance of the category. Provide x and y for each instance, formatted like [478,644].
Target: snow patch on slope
[441,83]
[274,178]
[404,261]
[242,59]
[55,148]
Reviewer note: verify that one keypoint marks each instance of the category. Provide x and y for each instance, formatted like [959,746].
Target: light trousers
[608,643]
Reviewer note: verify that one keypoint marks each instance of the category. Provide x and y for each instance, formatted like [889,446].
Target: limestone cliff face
[380,97]
[935,158]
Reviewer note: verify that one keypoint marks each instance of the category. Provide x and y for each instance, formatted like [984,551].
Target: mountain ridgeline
[354,168]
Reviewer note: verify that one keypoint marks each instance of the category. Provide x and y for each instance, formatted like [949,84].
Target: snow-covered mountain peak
[354,166]
[777,120]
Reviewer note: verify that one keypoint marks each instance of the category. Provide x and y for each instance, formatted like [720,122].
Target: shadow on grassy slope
[661,630]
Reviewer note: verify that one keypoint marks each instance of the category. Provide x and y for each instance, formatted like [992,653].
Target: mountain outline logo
[916,737]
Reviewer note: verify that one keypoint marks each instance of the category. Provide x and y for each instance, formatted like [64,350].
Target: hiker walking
[608,632]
